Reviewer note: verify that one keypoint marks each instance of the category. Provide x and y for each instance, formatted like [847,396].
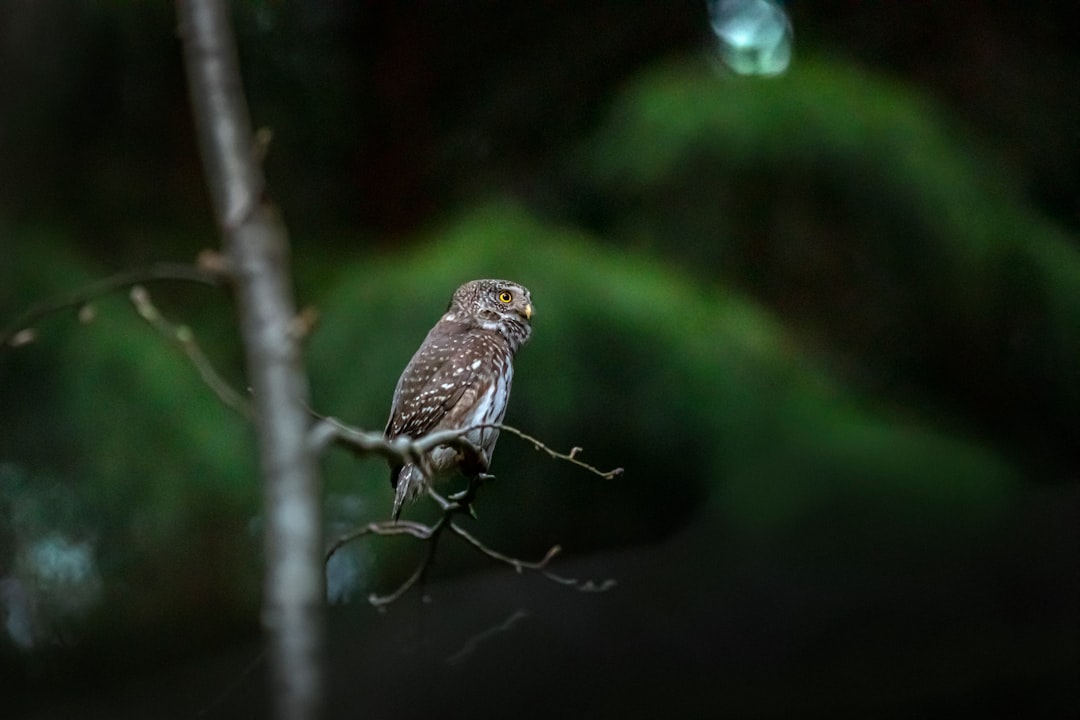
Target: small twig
[406,450]
[18,330]
[582,585]
[185,338]
[539,566]
[435,532]
[472,643]
[403,449]
[401,527]
[432,533]
[515,563]
[570,457]
[381,601]
[331,430]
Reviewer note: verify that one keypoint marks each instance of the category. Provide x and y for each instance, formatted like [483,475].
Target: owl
[460,377]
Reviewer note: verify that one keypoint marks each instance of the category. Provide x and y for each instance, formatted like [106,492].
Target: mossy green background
[822,326]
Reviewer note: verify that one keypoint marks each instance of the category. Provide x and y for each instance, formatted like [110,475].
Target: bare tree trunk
[257,250]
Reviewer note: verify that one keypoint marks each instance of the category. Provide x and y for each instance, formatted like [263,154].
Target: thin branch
[539,566]
[400,527]
[381,601]
[435,532]
[432,533]
[403,449]
[474,642]
[582,585]
[20,326]
[570,457]
[417,530]
[185,338]
[406,450]
[515,563]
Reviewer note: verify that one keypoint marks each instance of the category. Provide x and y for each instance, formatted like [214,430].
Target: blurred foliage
[693,390]
[848,205]
[154,472]
[816,312]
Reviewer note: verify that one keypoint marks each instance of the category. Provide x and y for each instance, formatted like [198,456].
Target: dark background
[828,322]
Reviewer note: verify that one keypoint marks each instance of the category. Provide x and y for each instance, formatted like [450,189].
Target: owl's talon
[461,502]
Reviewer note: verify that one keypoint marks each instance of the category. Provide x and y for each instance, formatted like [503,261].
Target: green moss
[697,392]
[149,461]
[851,206]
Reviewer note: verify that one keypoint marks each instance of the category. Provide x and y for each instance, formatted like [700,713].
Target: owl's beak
[528,311]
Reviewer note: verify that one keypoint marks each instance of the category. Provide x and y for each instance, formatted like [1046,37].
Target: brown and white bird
[459,378]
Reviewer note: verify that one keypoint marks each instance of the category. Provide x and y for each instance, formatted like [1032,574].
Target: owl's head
[499,305]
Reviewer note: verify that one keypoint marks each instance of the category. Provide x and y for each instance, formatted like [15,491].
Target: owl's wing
[438,380]
[418,415]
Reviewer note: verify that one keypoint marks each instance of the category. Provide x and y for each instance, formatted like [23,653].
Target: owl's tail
[408,485]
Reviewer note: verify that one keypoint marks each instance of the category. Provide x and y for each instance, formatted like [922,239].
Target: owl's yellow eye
[505,297]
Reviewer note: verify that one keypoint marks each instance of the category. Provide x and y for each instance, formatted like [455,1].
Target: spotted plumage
[460,377]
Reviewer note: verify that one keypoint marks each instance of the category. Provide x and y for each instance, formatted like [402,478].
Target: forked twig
[21,326]
[381,601]
[474,642]
[401,527]
[569,457]
[432,533]
[513,562]
[539,566]
[185,339]
[582,585]
[404,449]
